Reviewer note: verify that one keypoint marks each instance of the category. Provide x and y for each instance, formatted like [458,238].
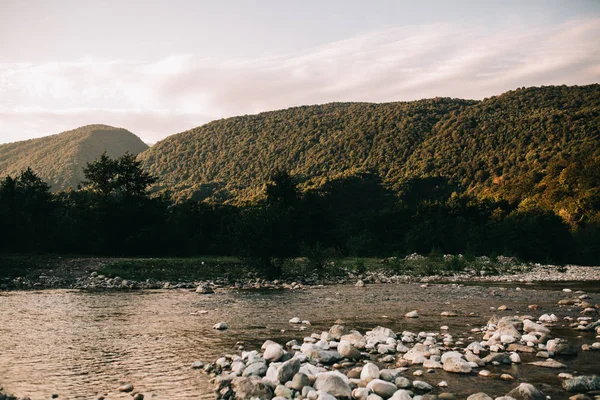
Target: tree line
[353,213]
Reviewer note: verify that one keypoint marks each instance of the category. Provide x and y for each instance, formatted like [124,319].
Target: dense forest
[113,213]
[59,159]
[229,160]
[517,174]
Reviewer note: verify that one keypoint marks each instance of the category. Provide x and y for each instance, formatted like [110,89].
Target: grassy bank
[212,267]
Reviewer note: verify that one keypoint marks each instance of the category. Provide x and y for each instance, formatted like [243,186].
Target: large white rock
[288,369]
[273,352]
[457,365]
[369,372]
[529,326]
[333,384]
[347,350]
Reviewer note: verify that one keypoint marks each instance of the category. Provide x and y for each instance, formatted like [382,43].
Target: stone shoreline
[94,281]
[346,364]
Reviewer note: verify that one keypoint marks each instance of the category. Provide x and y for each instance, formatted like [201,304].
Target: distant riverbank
[91,273]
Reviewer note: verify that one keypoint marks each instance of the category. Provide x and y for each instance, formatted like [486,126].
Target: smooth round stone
[382,388]
[126,388]
[421,385]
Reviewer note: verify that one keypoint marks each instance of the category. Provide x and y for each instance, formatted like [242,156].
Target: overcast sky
[162,67]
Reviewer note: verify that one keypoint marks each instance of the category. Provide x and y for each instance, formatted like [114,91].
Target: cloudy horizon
[158,93]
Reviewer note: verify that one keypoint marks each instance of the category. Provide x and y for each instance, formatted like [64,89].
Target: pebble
[126,388]
[221,326]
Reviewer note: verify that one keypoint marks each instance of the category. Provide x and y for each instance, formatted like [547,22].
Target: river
[83,345]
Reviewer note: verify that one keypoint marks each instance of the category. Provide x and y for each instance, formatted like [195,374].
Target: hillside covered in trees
[517,174]
[59,159]
[535,146]
[232,158]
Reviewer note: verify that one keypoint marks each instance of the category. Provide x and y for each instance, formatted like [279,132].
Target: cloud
[178,92]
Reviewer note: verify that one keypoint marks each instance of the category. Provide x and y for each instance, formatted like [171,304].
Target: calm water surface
[81,345]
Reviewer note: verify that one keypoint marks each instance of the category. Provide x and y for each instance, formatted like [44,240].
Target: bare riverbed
[83,345]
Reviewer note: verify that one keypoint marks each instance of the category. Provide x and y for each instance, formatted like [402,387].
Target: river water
[82,345]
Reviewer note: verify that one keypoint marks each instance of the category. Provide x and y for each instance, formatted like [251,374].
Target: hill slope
[540,145]
[536,145]
[59,159]
[233,157]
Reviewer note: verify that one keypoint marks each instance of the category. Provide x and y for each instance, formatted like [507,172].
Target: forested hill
[231,158]
[536,144]
[59,159]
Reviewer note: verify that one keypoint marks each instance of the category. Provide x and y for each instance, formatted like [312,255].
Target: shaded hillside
[233,157]
[537,146]
[59,159]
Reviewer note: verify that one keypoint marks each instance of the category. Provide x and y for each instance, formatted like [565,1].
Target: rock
[507,377]
[520,348]
[306,390]
[401,395]
[584,383]
[529,326]
[484,372]
[204,289]
[336,331]
[287,370]
[548,318]
[333,384]
[295,320]
[424,386]
[515,358]
[369,372]
[273,352]
[321,395]
[388,375]
[360,393]
[497,357]
[548,363]
[299,381]
[255,369]
[385,332]
[446,396]
[138,396]
[251,387]
[403,383]
[126,388]
[197,365]
[448,314]
[318,355]
[526,391]
[373,396]
[347,350]
[382,388]
[479,396]
[457,365]
[360,284]
[221,326]
[412,314]
[560,347]
[283,392]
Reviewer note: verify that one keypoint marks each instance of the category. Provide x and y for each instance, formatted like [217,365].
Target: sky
[158,68]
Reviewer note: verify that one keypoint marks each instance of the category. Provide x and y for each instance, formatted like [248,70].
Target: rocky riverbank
[92,280]
[342,363]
